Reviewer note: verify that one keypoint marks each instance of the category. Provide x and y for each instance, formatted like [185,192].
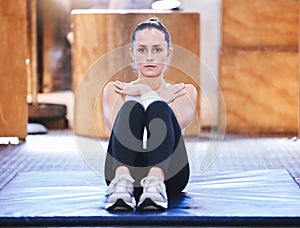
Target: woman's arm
[113,98]
[112,102]
[184,106]
[182,97]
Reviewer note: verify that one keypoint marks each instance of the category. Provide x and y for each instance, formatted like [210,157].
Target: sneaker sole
[150,205]
[119,205]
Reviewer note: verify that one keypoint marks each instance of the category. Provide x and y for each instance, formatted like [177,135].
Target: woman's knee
[131,106]
[158,105]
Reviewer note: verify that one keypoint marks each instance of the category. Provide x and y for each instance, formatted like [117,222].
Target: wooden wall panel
[299,67]
[13,89]
[261,90]
[260,23]
[97,32]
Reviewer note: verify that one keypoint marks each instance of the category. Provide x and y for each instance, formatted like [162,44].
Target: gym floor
[60,150]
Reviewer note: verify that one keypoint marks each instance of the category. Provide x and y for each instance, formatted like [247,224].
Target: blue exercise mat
[258,197]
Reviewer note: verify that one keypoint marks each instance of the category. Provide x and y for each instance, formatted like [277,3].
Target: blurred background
[248,51]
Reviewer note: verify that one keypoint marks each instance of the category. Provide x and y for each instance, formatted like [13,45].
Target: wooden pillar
[299,66]
[13,88]
[33,52]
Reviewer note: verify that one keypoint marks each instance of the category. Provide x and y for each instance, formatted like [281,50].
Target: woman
[147,160]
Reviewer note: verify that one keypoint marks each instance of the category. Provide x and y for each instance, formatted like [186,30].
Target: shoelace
[122,180]
[151,182]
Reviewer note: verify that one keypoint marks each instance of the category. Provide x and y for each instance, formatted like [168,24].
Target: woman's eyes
[145,50]
[158,50]
[141,50]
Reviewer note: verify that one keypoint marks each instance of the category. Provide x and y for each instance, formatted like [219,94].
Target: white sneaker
[120,192]
[154,196]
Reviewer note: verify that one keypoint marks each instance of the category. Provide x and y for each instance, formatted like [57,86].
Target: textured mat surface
[268,197]
[6,176]
[46,182]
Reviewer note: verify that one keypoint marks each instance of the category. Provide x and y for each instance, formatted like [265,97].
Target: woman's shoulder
[109,88]
[109,85]
[109,91]
[191,88]
[191,92]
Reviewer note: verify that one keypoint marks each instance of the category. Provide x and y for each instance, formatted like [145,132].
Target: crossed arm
[181,98]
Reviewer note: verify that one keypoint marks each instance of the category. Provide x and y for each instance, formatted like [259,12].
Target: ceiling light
[166,5]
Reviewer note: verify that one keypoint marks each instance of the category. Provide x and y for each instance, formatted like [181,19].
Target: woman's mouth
[150,66]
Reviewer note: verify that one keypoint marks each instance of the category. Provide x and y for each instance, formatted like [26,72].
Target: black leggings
[165,145]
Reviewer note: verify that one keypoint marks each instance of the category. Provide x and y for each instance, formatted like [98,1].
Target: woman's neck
[154,82]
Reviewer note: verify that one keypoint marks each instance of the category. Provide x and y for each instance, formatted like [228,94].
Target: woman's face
[150,52]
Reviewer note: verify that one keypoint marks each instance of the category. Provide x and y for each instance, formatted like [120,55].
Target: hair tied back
[153,19]
[152,22]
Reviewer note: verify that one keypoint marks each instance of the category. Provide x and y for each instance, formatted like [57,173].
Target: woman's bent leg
[165,147]
[125,143]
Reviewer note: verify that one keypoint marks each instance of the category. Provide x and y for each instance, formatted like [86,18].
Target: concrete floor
[60,150]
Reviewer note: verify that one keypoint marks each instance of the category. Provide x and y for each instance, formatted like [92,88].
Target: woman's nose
[150,56]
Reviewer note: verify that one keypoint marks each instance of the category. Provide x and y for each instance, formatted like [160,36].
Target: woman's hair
[149,24]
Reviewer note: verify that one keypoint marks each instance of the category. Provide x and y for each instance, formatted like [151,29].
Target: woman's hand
[170,93]
[131,89]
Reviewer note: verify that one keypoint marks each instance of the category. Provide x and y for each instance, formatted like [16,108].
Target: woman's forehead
[150,35]
[150,44]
